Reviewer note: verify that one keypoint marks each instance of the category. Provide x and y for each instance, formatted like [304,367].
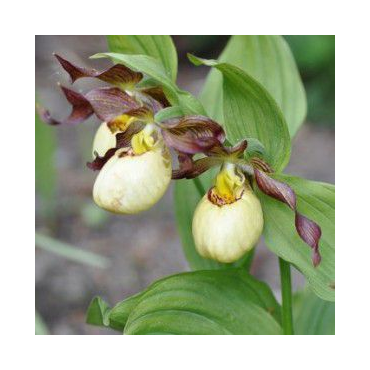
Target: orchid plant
[151,131]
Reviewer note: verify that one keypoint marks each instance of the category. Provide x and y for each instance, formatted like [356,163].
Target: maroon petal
[81,109]
[98,163]
[198,126]
[110,102]
[124,138]
[190,170]
[308,230]
[238,149]
[157,94]
[192,134]
[275,189]
[118,75]
[188,143]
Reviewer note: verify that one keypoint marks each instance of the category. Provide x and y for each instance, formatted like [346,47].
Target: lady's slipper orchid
[130,147]
[228,221]
[232,203]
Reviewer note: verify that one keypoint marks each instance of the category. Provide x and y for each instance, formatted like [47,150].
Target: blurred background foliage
[73,234]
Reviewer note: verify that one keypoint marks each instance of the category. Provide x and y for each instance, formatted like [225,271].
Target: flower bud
[105,137]
[228,221]
[129,183]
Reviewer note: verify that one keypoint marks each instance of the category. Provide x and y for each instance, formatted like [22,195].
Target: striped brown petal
[106,103]
[118,75]
[110,102]
[188,142]
[308,230]
[157,94]
[192,134]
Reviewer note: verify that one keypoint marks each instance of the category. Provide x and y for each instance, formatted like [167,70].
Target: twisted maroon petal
[308,230]
[81,109]
[118,75]
[276,189]
[106,103]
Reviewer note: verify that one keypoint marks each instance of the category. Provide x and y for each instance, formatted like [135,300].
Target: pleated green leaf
[202,302]
[316,201]
[251,112]
[268,60]
[312,315]
[160,47]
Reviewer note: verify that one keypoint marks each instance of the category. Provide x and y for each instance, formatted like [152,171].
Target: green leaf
[250,111]
[160,47]
[155,70]
[70,252]
[268,60]
[316,201]
[313,316]
[167,113]
[100,314]
[202,302]
[45,173]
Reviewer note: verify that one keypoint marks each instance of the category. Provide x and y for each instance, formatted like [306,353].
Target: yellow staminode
[228,184]
[143,141]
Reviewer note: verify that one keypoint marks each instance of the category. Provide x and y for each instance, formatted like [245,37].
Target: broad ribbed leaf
[155,70]
[160,47]
[202,302]
[268,60]
[316,201]
[312,315]
[250,111]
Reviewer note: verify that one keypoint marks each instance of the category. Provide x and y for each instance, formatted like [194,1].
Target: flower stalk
[286,294]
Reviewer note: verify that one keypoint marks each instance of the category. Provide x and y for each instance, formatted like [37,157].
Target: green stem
[198,184]
[286,294]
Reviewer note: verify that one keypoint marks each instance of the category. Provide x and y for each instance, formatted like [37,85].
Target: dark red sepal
[308,230]
[118,75]
[98,163]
